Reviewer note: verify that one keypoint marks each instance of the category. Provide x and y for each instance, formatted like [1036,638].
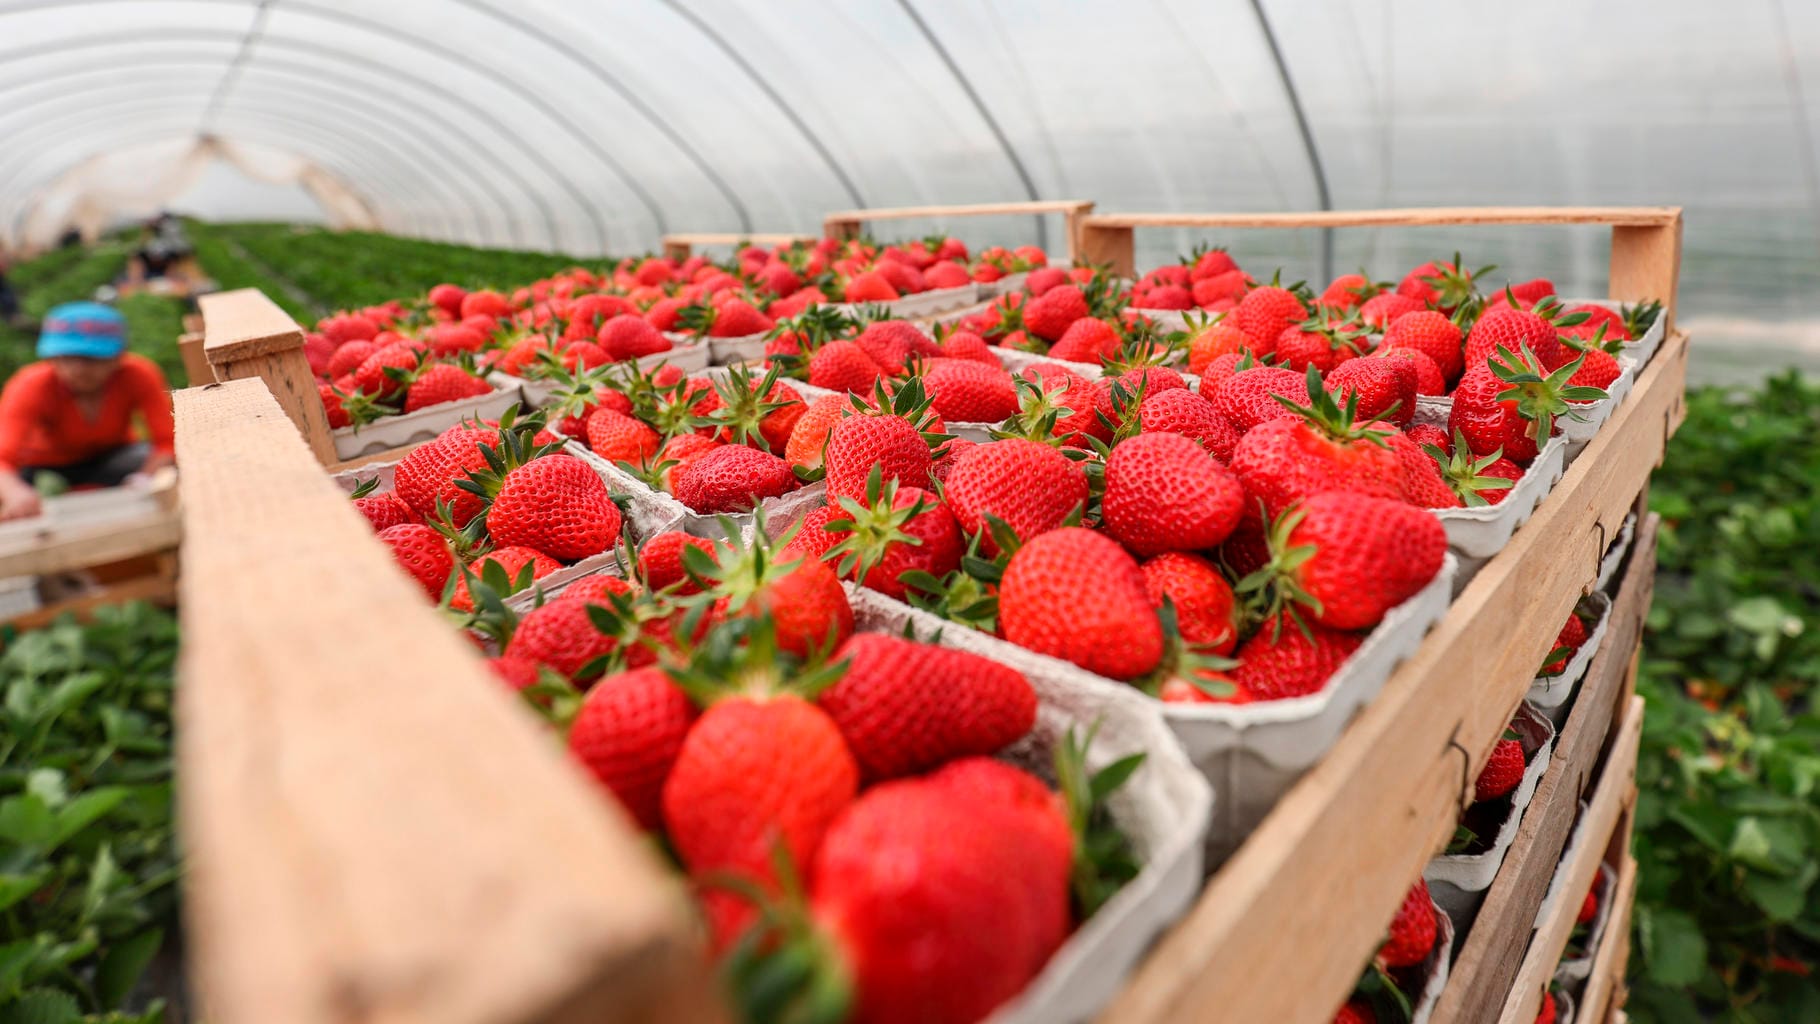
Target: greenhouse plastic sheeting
[589,127]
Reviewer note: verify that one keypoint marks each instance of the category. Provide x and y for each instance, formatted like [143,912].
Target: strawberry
[843,366]
[1180,411]
[1246,398]
[895,344]
[736,318]
[423,553]
[1511,404]
[629,337]
[1599,370]
[969,392]
[512,560]
[1078,405]
[897,530]
[1219,291]
[1045,279]
[1030,486]
[1075,594]
[617,437]
[1286,460]
[1385,389]
[679,453]
[756,411]
[582,355]
[371,377]
[1265,313]
[1049,315]
[332,407]
[969,346]
[1348,292]
[427,474]
[555,504]
[485,303]
[1351,558]
[802,596]
[1430,333]
[517,674]
[1423,484]
[628,733]
[562,635]
[1589,907]
[1429,378]
[1087,340]
[448,297]
[974,880]
[1412,931]
[1525,293]
[521,355]
[810,434]
[732,478]
[1315,343]
[1205,612]
[870,287]
[1205,687]
[1502,771]
[1546,1014]
[349,358]
[1567,644]
[947,274]
[864,441]
[1474,480]
[1586,330]
[1382,310]
[813,539]
[906,707]
[453,339]
[383,509]
[660,561]
[1516,330]
[1445,286]
[1152,380]
[1356,1011]
[1282,660]
[1429,434]
[1165,493]
[1207,343]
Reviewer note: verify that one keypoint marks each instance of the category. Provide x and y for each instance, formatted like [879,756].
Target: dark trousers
[109,469]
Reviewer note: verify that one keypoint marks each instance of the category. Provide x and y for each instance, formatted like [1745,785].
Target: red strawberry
[1429,434]
[1367,555]
[969,346]
[1412,931]
[628,734]
[1348,291]
[813,539]
[861,442]
[969,392]
[804,597]
[1180,411]
[618,437]
[1445,286]
[1045,279]
[1589,907]
[1430,333]
[896,530]
[733,478]
[1515,329]
[428,473]
[1165,493]
[1282,661]
[947,274]
[349,357]
[1212,341]
[1205,610]
[1473,479]
[1381,310]
[1283,461]
[1087,340]
[1031,486]
[1356,1011]
[1076,595]
[510,559]
[450,339]
[906,707]
[1527,293]
[843,366]
[485,303]
[423,553]
[1596,317]
[556,504]
[1568,641]
[1084,401]
[517,673]
[332,407]
[895,344]
[1385,389]
[1502,772]
[1512,403]
[974,882]
[1049,315]
[1245,398]
[810,434]
[561,633]
[1423,484]
[384,510]
[371,377]
[1312,343]
[1599,370]
[660,561]
[442,382]
[736,318]
[629,337]
[1429,378]
[1151,380]
[448,297]
[870,287]
[1546,1015]
[1265,313]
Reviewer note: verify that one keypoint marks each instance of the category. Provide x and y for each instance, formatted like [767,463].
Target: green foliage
[1727,924]
[153,323]
[87,864]
[227,264]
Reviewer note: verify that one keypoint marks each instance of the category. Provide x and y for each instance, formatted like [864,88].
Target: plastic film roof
[594,127]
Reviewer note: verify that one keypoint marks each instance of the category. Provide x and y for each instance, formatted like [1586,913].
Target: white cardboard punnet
[1550,693]
[1458,881]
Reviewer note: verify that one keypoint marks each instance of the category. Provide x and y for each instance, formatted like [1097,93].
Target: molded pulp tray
[1433,971]
[922,304]
[1458,881]
[396,431]
[1577,970]
[1550,693]
[689,356]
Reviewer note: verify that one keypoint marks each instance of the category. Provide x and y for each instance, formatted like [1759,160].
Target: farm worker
[72,412]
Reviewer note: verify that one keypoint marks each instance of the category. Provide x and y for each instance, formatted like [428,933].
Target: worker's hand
[18,499]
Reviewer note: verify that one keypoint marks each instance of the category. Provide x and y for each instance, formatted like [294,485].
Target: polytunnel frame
[415,138]
[558,174]
[379,145]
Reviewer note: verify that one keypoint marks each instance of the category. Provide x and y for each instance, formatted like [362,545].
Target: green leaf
[1673,948]
[1782,898]
[27,821]
[121,968]
[42,1006]
[85,809]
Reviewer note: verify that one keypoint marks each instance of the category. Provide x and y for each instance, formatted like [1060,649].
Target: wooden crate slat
[66,549]
[246,335]
[1487,965]
[1605,986]
[680,245]
[848,223]
[1434,216]
[1612,798]
[374,830]
[1389,791]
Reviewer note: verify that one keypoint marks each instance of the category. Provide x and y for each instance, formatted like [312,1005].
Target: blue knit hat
[82,329]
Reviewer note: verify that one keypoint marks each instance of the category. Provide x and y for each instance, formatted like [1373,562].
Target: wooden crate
[1282,930]
[849,223]
[681,246]
[128,552]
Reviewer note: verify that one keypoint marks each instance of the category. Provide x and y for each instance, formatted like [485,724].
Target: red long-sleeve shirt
[41,424]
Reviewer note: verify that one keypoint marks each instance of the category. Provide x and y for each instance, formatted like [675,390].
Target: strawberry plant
[88,870]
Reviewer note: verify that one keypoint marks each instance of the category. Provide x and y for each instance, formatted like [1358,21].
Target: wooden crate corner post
[246,335]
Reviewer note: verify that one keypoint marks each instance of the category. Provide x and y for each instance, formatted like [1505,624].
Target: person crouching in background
[72,412]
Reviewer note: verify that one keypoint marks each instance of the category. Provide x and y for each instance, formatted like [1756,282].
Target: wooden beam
[1629,216]
[1487,966]
[195,361]
[247,335]
[375,829]
[1390,790]
[1605,991]
[849,223]
[58,549]
[1646,263]
[1615,794]
[682,245]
